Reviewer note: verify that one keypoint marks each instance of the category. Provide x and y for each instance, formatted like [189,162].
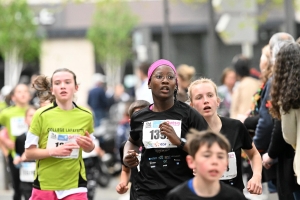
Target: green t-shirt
[13,118]
[61,125]
[3,105]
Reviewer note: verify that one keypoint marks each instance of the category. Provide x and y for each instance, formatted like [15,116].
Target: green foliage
[17,29]
[111,29]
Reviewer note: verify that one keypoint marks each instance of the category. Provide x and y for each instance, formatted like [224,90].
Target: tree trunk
[113,72]
[12,67]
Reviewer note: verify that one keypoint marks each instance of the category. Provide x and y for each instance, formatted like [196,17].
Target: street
[108,193]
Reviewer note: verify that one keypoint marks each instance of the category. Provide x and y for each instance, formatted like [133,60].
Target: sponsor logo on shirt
[174,123]
[148,125]
[153,158]
[162,150]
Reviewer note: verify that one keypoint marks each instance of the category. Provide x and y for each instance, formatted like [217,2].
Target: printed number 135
[155,135]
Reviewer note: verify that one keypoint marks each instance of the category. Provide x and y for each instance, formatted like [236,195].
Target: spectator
[143,92]
[242,95]
[225,91]
[185,77]
[97,99]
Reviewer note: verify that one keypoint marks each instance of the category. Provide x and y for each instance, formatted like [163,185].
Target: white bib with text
[57,139]
[27,171]
[18,126]
[152,138]
[232,169]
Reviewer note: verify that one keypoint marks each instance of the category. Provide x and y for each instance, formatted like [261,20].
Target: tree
[18,38]
[110,34]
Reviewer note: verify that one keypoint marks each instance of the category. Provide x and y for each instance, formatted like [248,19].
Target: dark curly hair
[285,90]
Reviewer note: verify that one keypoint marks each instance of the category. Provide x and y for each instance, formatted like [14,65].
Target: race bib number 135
[152,137]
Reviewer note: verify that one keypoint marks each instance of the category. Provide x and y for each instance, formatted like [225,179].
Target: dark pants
[26,189]
[15,178]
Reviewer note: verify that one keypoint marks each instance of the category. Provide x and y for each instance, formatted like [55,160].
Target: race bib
[56,139]
[152,138]
[27,171]
[18,126]
[231,169]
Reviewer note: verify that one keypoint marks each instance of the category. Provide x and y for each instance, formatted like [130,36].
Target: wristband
[182,143]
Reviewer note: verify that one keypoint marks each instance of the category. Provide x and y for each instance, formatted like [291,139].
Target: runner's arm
[130,154]
[34,153]
[254,184]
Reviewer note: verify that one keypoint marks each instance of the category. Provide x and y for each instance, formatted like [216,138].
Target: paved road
[110,194]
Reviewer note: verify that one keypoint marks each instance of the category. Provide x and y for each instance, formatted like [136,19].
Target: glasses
[160,77]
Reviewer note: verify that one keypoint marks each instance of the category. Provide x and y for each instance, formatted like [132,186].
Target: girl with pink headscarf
[161,130]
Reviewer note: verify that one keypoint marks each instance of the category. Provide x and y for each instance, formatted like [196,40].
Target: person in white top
[143,92]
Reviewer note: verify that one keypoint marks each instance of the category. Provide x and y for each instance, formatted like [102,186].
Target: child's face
[63,86]
[21,94]
[204,99]
[209,163]
[29,115]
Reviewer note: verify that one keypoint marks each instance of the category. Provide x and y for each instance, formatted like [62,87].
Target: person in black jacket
[284,153]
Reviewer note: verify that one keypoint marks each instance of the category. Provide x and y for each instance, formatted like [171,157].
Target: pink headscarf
[158,63]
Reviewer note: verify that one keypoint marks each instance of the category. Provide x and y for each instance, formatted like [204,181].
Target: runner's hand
[131,159]
[122,188]
[254,185]
[85,142]
[167,130]
[63,150]
[17,160]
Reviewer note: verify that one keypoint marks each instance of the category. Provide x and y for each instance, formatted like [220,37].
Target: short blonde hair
[186,72]
[198,82]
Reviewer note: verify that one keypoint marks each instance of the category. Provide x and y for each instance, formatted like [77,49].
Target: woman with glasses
[161,130]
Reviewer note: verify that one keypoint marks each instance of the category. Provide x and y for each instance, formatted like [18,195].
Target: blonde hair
[200,81]
[268,71]
[186,72]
